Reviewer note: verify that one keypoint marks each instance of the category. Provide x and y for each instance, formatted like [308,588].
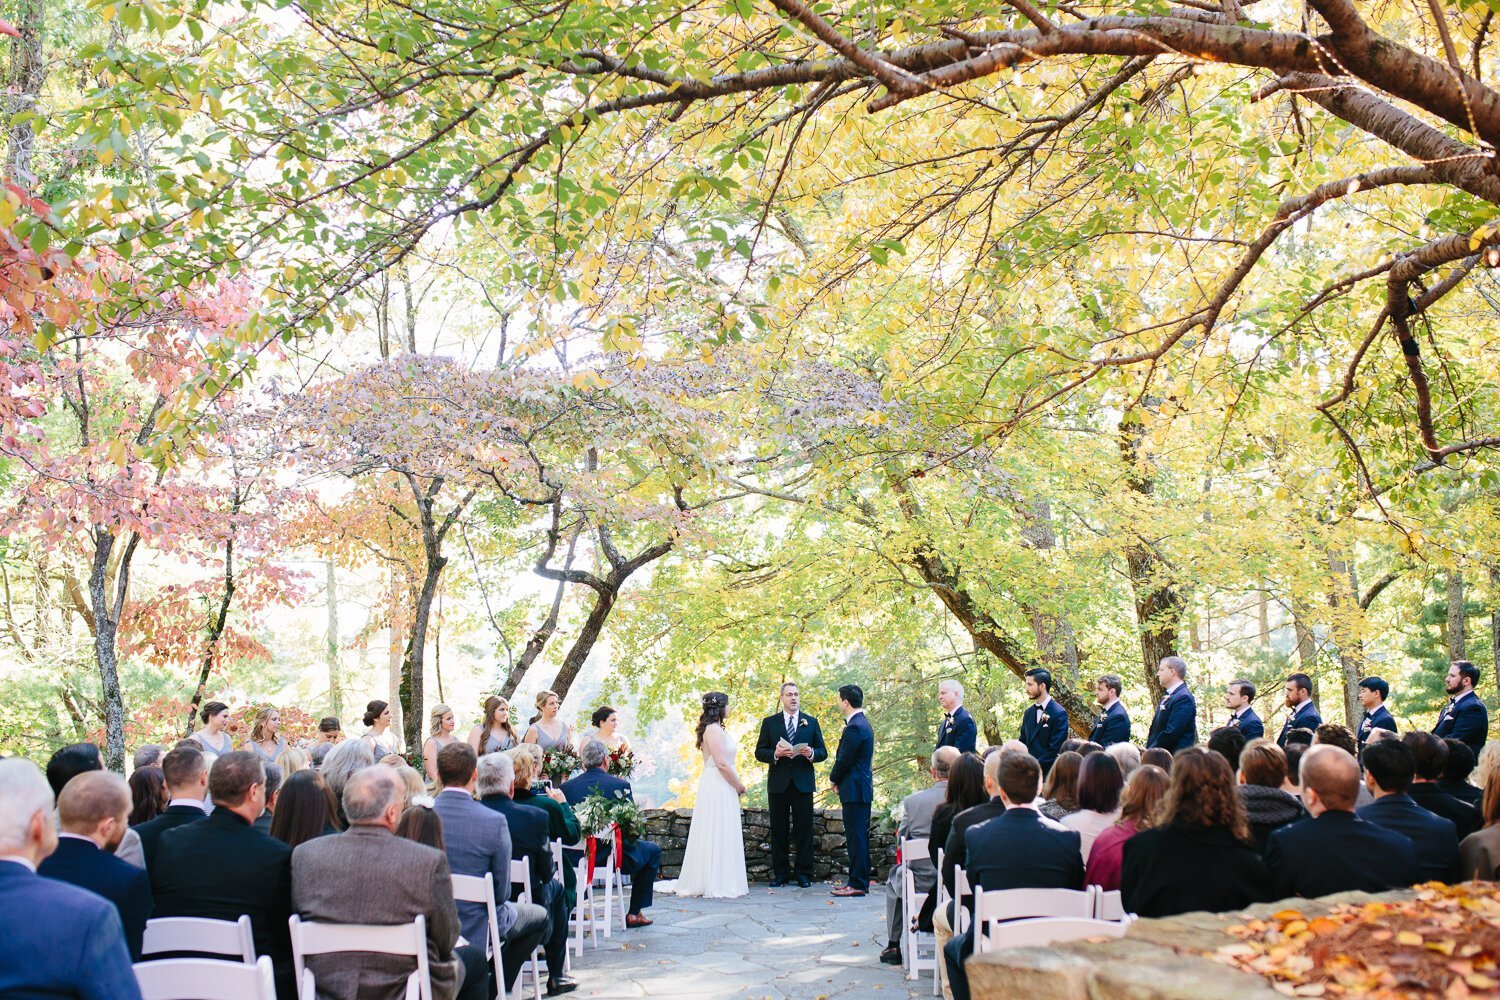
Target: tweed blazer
[368,875]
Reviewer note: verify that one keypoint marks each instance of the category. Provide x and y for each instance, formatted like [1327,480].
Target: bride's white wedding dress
[714,864]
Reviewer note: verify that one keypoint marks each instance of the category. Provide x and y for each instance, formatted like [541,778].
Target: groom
[789,786]
[853,778]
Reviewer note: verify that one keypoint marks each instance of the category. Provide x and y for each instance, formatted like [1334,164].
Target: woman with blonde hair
[495,731]
[548,730]
[1480,850]
[562,824]
[291,760]
[265,740]
[416,788]
[442,724]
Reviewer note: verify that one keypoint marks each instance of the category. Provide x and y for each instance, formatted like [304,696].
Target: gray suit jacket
[478,841]
[916,824]
[370,876]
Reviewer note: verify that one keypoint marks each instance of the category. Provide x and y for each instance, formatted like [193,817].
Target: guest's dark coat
[1338,852]
[528,838]
[1268,809]
[1462,791]
[1435,838]
[1429,796]
[1182,868]
[59,941]
[82,863]
[170,819]
[956,849]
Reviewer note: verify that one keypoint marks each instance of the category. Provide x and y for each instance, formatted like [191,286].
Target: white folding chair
[1108,905]
[585,910]
[520,877]
[609,876]
[310,938]
[205,979]
[200,936]
[1039,931]
[942,907]
[996,910]
[473,889]
[918,949]
[961,892]
[558,863]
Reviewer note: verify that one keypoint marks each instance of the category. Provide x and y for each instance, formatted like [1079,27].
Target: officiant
[790,743]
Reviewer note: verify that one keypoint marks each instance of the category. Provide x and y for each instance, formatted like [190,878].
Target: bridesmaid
[212,737]
[380,737]
[266,741]
[549,731]
[495,731]
[441,735]
[606,722]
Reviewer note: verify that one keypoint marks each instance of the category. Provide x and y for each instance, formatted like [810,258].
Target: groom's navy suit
[855,777]
[789,791]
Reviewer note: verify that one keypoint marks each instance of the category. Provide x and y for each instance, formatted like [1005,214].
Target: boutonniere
[1367,724]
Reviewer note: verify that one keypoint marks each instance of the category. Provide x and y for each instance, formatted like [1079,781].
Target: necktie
[791,730]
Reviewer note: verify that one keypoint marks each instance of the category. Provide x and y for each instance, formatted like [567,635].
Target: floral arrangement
[620,762]
[599,814]
[416,760]
[559,762]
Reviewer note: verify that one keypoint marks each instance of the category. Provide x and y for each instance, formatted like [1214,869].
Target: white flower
[425,801]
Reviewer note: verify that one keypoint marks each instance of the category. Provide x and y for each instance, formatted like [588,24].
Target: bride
[714,863]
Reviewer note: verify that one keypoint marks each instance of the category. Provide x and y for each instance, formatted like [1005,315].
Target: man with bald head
[1336,851]
[92,812]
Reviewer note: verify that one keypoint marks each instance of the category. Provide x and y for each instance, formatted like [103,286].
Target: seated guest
[1060,794]
[1088,747]
[1127,755]
[1480,852]
[477,841]
[916,814]
[342,762]
[1228,742]
[642,859]
[421,824]
[148,795]
[79,758]
[370,876]
[1199,856]
[304,810]
[1014,851]
[60,942]
[562,824]
[186,775]
[1429,756]
[1099,785]
[273,789]
[1456,774]
[1262,781]
[1388,773]
[1138,804]
[965,790]
[1335,850]
[1158,757]
[92,812]
[1294,752]
[317,753]
[149,755]
[955,849]
[1334,735]
[529,839]
[221,867]
[293,759]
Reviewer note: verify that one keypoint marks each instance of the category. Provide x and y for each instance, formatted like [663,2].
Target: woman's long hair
[1202,793]
[491,703]
[1490,804]
[1142,796]
[435,718]
[1062,780]
[304,809]
[148,794]
[257,731]
[421,824]
[715,708]
[966,783]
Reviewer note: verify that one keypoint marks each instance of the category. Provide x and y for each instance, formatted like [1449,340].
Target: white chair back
[961,891]
[201,936]
[205,979]
[994,910]
[382,939]
[473,889]
[1040,931]
[520,877]
[914,850]
[1108,905]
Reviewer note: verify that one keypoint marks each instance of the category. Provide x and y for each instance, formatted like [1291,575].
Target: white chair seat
[200,936]
[205,979]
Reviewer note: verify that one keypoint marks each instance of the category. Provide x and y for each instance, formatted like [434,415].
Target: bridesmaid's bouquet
[559,762]
[621,761]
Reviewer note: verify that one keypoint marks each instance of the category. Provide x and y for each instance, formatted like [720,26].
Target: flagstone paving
[775,944]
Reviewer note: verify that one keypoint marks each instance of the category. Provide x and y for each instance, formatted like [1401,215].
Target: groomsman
[1373,691]
[790,784]
[1113,724]
[1044,727]
[1464,718]
[958,728]
[853,778]
[1175,725]
[1237,698]
[1304,714]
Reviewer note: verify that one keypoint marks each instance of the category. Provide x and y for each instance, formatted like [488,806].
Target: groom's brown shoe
[637,920]
[847,891]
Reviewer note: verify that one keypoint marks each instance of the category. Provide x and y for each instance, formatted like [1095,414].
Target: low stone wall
[669,828]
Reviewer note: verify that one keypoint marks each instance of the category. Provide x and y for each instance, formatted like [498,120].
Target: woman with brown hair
[1199,856]
[1480,850]
[495,731]
[1060,794]
[1138,803]
[1268,806]
[305,809]
[148,794]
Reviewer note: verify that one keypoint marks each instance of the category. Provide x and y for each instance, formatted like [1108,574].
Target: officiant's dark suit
[789,786]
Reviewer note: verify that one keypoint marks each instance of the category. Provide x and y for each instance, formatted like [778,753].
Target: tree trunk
[215,632]
[394,651]
[412,663]
[1343,597]
[1158,608]
[1307,642]
[24,79]
[106,629]
[578,653]
[331,641]
[1263,617]
[1495,622]
[1055,640]
[1457,644]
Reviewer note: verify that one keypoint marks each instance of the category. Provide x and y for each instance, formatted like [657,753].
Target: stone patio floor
[775,944]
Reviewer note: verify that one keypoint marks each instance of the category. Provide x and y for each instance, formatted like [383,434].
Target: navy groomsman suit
[1175,725]
[854,776]
[1044,729]
[1112,726]
[1465,719]
[1378,719]
[959,730]
[1248,723]
[1304,716]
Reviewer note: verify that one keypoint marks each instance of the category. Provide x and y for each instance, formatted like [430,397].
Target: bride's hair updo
[715,707]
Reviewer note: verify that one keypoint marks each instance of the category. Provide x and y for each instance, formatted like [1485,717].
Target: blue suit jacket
[853,770]
[82,863]
[1112,726]
[529,838]
[636,855]
[477,840]
[1175,725]
[1249,724]
[1307,718]
[1378,719]
[962,732]
[1435,838]
[1044,731]
[60,941]
[1467,720]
